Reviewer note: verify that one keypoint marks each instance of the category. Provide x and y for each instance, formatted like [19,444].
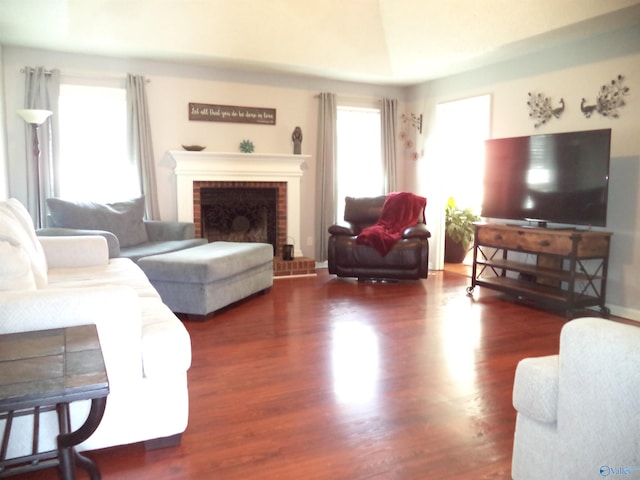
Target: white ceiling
[398,42]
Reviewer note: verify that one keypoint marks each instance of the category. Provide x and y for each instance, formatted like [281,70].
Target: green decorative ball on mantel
[246,146]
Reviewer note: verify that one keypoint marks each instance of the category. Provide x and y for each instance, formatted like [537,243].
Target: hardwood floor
[325,378]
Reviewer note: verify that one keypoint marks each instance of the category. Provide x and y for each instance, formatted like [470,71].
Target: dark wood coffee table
[47,370]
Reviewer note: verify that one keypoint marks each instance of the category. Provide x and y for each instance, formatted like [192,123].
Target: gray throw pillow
[123,219]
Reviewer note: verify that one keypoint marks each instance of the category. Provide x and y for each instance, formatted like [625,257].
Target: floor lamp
[35,118]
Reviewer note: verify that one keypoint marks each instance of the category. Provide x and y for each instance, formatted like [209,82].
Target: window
[462,127]
[359,170]
[94,159]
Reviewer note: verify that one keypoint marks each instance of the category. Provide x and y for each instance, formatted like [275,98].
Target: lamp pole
[35,118]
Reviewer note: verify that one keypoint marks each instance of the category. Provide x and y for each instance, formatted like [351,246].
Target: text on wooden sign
[230,113]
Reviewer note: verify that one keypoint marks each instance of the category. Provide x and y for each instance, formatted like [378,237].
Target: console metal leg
[67,440]
[65,453]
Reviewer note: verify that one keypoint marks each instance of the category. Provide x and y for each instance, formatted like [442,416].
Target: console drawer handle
[497,236]
[545,243]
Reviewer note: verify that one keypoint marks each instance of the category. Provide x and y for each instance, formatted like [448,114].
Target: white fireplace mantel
[245,167]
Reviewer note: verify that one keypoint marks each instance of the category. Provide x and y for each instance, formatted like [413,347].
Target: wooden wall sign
[229,113]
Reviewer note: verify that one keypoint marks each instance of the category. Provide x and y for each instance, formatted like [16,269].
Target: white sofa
[52,282]
[579,411]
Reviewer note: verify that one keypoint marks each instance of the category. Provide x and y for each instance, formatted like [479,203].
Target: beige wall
[172,86]
[571,73]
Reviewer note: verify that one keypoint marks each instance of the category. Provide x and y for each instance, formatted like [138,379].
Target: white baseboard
[624,312]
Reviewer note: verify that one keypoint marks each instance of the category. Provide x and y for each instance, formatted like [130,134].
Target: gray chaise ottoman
[203,279]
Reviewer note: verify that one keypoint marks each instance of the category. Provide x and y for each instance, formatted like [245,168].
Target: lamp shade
[36,117]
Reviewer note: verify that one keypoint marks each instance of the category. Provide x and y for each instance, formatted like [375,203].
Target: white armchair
[579,411]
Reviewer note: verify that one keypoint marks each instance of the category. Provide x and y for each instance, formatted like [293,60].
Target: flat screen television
[559,178]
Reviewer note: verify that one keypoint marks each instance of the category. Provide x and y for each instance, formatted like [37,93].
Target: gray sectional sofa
[122,224]
[192,281]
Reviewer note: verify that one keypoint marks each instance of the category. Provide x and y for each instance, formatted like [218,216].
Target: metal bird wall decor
[414,120]
[540,108]
[610,99]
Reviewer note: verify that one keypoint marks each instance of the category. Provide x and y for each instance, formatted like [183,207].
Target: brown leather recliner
[407,260]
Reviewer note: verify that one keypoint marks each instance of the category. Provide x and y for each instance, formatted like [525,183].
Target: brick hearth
[297,266]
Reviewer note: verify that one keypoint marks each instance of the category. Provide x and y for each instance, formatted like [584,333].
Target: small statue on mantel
[296,136]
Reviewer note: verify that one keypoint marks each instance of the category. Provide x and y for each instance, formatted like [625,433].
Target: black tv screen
[555,178]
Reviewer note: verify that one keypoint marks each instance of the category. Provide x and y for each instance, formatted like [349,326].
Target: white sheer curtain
[326,190]
[359,154]
[139,141]
[388,123]
[108,174]
[42,88]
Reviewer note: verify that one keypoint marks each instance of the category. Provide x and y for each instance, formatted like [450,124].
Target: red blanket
[400,210]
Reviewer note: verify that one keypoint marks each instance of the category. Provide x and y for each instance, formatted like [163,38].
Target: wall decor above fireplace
[232,114]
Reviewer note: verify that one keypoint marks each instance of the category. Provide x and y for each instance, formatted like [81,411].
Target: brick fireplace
[241,211]
[199,173]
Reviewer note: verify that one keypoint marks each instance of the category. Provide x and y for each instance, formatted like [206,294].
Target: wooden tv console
[559,268]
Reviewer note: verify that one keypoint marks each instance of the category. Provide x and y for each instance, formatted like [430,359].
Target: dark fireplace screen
[240,214]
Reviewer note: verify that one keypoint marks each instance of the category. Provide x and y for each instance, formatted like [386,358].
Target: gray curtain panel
[42,89]
[326,189]
[388,122]
[140,144]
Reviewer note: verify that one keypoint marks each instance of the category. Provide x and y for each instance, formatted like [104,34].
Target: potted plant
[458,231]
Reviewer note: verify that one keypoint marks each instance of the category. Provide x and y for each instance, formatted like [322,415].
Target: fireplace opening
[238,214]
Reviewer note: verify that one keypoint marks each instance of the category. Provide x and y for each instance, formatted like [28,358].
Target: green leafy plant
[459,223]
[246,146]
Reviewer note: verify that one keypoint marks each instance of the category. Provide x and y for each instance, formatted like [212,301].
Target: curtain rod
[31,70]
[71,75]
[352,98]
